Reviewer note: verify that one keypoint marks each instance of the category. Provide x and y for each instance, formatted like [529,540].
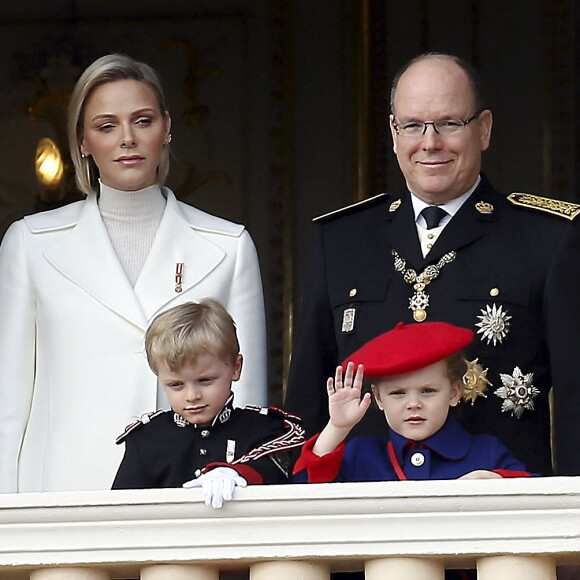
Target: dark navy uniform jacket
[505,256]
[448,454]
[161,453]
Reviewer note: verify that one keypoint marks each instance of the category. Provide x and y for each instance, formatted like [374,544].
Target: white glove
[218,485]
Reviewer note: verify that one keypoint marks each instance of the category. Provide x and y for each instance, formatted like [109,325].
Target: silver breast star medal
[517,392]
[494,324]
[420,300]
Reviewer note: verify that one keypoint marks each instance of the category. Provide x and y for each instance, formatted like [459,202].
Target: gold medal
[419,315]
[475,381]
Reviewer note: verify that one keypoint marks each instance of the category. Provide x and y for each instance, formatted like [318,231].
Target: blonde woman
[80,284]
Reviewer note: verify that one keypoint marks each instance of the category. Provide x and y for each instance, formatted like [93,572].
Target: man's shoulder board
[142,420]
[349,208]
[557,207]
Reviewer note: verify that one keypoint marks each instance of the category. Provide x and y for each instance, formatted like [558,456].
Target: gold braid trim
[554,206]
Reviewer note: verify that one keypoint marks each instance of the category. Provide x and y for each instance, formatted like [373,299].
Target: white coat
[73,371]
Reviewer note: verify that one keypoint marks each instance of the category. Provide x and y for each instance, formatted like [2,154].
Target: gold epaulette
[349,207]
[557,207]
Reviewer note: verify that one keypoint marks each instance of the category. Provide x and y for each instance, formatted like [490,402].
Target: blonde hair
[180,334]
[107,69]
[455,366]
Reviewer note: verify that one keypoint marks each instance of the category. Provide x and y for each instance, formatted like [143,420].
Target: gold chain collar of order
[420,300]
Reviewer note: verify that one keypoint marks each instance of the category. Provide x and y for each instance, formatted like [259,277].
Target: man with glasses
[450,249]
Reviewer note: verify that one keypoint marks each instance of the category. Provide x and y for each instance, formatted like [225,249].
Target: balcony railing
[517,529]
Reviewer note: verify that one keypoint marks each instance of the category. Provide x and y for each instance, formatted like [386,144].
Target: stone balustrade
[518,529]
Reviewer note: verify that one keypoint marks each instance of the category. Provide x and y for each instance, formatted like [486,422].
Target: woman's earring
[167,140]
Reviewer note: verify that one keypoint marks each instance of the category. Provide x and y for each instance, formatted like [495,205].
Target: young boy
[203,441]
[418,371]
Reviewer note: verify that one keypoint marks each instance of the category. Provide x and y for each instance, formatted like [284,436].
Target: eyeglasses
[442,127]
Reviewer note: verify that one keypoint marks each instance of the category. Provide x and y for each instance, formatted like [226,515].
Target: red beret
[409,348]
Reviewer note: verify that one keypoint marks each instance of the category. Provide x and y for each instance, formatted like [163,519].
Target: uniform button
[417,459]
[197,472]
[429,246]
[430,236]
[205,433]
[203,451]
[352,292]
[494,292]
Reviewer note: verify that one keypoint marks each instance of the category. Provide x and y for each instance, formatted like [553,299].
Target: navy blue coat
[448,454]
[504,258]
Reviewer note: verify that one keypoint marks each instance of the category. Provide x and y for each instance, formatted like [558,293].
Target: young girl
[417,373]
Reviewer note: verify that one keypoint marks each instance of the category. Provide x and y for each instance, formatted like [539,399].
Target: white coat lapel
[87,258]
[176,242]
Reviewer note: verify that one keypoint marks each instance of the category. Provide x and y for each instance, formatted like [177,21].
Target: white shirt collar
[451,207]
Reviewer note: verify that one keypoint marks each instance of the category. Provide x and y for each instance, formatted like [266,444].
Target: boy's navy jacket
[448,454]
[162,452]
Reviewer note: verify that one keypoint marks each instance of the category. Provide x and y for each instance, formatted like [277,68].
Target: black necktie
[433,214]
